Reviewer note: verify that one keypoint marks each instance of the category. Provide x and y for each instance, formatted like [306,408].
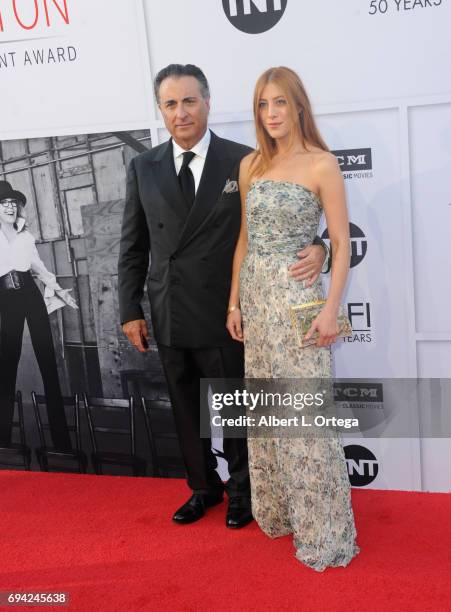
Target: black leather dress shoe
[195,507]
[239,513]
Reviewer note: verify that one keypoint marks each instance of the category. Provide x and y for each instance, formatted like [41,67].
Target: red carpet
[110,543]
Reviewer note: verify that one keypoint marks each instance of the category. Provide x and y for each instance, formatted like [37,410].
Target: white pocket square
[230,186]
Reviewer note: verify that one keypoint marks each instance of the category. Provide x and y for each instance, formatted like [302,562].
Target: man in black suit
[178,210]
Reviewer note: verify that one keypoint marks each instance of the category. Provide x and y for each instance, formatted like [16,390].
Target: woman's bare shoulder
[246,164]
[325,160]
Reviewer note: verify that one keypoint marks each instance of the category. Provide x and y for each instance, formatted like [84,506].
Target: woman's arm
[333,198]
[48,278]
[38,267]
[234,314]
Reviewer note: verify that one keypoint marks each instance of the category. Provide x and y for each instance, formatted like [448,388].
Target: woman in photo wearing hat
[20,301]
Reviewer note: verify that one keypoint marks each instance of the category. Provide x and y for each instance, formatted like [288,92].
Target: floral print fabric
[299,485]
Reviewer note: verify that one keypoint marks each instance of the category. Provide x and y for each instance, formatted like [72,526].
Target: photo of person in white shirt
[20,301]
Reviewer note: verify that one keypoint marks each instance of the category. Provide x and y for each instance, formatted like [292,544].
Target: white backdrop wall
[378,75]
[83,69]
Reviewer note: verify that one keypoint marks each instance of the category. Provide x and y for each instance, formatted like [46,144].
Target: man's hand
[309,267]
[137,333]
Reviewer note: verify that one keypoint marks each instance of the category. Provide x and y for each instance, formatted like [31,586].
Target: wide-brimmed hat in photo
[7,192]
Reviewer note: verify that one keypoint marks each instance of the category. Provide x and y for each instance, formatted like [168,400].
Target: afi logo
[359,314]
[254,16]
[354,159]
[362,465]
[359,244]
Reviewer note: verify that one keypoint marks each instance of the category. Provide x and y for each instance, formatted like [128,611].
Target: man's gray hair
[180,70]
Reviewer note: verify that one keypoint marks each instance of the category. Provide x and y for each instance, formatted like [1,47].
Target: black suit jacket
[191,251]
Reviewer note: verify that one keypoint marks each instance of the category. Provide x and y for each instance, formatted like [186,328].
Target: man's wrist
[327,262]
[320,242]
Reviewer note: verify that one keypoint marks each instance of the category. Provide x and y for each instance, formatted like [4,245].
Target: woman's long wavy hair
[301,110]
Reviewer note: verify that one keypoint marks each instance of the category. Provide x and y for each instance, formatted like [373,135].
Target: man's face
[185,111]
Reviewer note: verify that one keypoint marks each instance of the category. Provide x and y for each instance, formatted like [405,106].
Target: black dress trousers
[184,367]
[16,307]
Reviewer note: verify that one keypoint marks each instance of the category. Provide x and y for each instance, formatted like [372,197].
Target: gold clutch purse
[302,317]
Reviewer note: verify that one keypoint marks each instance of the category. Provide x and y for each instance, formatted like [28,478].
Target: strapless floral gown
[299,485]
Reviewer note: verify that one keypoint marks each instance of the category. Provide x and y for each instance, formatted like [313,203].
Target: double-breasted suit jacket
[191,251]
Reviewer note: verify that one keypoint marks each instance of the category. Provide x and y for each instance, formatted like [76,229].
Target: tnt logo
[362,465]
[359,244]
[254,16]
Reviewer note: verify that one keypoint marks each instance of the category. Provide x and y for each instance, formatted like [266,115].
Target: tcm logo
[355,163]
[359,244]
[354,159]
[358,392]
[362,465]
[254,16]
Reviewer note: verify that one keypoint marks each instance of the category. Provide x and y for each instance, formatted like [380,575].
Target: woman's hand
[234,325]
[326,325]
[67,299]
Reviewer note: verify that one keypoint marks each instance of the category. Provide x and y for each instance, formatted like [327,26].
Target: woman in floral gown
[299,484]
